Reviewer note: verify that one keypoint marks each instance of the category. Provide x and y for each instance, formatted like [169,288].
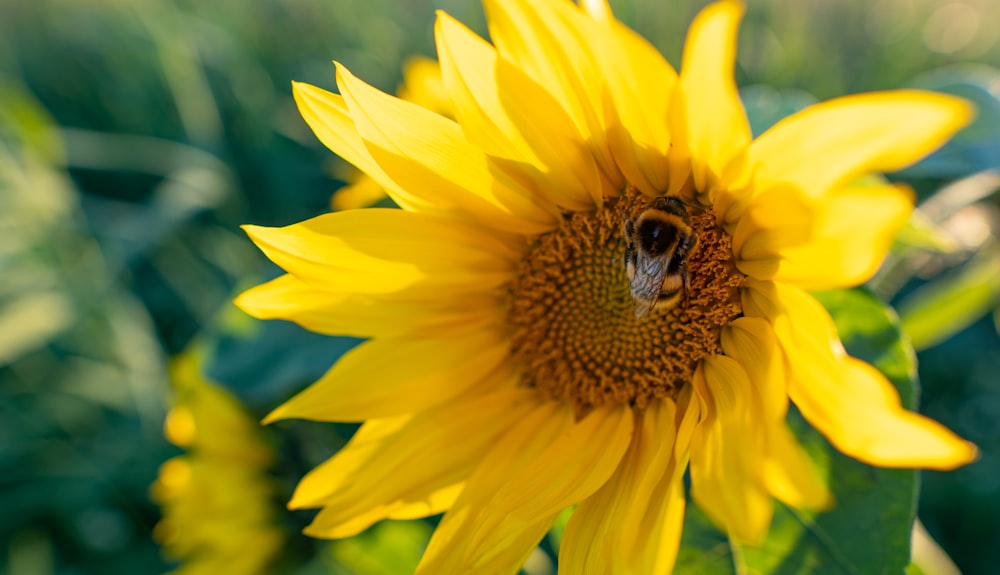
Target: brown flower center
[576,336]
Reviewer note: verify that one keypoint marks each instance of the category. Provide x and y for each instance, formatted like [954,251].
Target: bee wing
[646,283]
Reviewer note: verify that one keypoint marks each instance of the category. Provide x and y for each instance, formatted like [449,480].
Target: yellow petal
[751,342]
[542,38]
[358,315]
[633,523]
[468,67]
[332,474]
[328,116]
[835,142]
[424,151]
[726,450]
[849,237]
[527,132]
[552,41]
[372,478]
[469,70]
[640,82]
[387,250]
[391,376]
[835,392]
[575,180]
[715,127]
[521,444]
[788,473]
[362,192]
[497,521]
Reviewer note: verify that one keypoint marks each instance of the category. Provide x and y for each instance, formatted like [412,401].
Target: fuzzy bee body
[657,245]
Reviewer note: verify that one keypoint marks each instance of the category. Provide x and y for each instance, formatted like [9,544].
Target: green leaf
[868,531]
[388,548]
[944,307]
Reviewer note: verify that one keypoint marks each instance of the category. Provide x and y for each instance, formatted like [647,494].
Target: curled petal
[848,401]
[726,448]
[833,242]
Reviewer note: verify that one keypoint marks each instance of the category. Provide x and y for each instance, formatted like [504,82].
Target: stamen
[575,334]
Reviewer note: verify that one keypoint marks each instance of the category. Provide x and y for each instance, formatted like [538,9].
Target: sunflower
[218,510]
[508,376]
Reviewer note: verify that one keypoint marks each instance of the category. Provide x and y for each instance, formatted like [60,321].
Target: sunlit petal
[714,126]
[633,523]
[391,376]
[501,516]
[362,315]
[833,143]
[835,392]
[726,476]
[422,150]
[386,250]
[437,448]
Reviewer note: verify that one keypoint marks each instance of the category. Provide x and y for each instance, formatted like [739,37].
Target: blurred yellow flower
[535,341]
[422,85]
[218,504]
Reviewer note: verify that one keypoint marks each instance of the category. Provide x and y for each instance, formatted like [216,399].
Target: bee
[657,246]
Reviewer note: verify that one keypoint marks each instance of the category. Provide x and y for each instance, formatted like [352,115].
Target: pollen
[574,332]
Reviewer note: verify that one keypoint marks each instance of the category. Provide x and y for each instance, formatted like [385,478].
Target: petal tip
[276,415]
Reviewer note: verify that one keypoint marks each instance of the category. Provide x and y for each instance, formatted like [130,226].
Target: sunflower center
[576,333]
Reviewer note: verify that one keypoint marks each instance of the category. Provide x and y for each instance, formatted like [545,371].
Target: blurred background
[137,135]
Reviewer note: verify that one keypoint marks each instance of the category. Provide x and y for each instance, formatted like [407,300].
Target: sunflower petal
[391,376]
[447,550]
[640,83]
[468,67]
[336,313]
[387,250]
[498,520]
[633,523]
[835,142]
[428,454]
[726,447]
[328,116]
[788,473]
[835,392]
[422,150]
[852,230]
[550,41]
[715,127]
[548,129]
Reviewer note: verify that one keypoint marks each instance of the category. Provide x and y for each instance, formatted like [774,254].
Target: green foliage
[868,531]
[81,372]
[389,548]
[939,310]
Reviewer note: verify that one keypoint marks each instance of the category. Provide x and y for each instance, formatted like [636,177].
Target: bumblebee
[657,246]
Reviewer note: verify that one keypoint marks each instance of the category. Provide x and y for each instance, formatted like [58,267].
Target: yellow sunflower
[217,501]
[514,368]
